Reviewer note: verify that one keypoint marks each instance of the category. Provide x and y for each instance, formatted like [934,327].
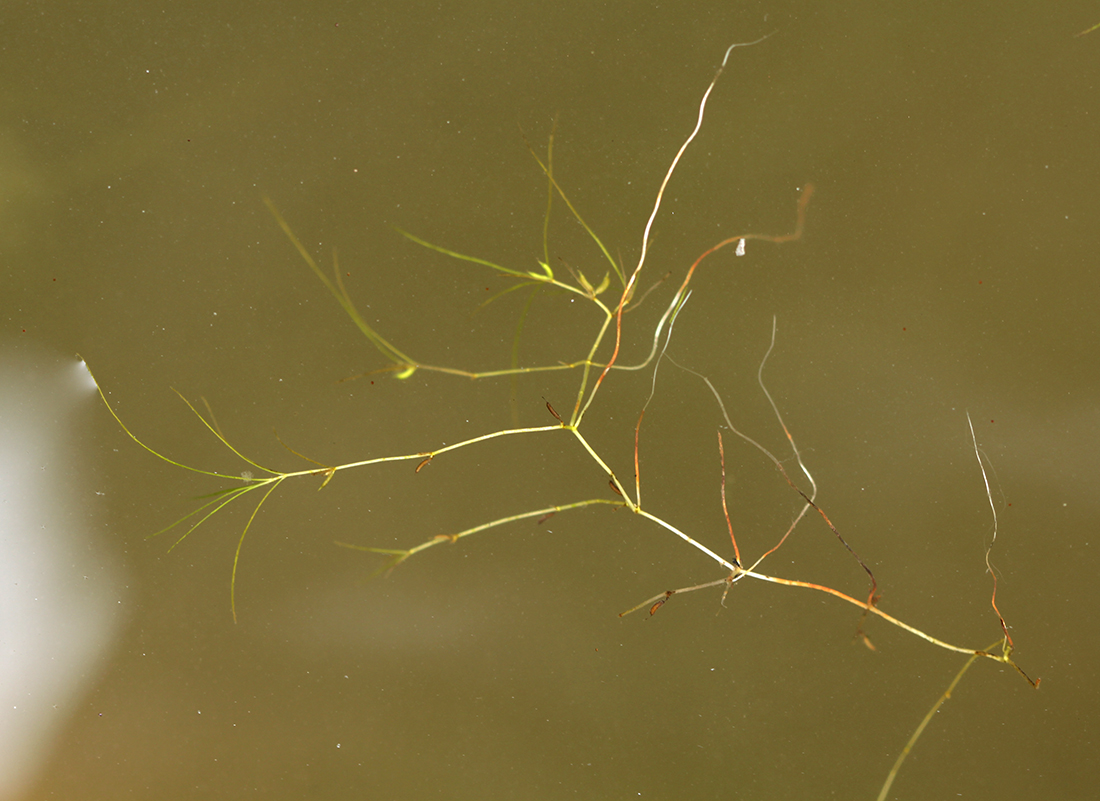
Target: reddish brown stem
[872,597]
[725,510]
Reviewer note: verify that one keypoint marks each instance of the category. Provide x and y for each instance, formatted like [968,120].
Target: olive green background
[949,265]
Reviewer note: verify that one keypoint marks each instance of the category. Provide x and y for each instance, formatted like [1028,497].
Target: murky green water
[948,265]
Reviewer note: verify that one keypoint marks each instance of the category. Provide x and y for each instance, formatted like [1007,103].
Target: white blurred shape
[59,587]
[81,377]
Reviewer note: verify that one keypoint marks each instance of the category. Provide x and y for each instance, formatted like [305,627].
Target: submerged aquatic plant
[612,297]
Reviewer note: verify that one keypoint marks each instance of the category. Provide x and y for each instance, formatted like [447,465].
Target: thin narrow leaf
[577,216]
[222,439]
[463,257]
[237,554]
[339,292]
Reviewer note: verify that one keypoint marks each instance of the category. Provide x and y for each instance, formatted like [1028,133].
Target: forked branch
[625,496]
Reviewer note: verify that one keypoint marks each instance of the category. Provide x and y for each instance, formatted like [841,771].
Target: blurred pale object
[60,603]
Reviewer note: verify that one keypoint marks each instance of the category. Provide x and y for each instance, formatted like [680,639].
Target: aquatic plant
[612,298]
